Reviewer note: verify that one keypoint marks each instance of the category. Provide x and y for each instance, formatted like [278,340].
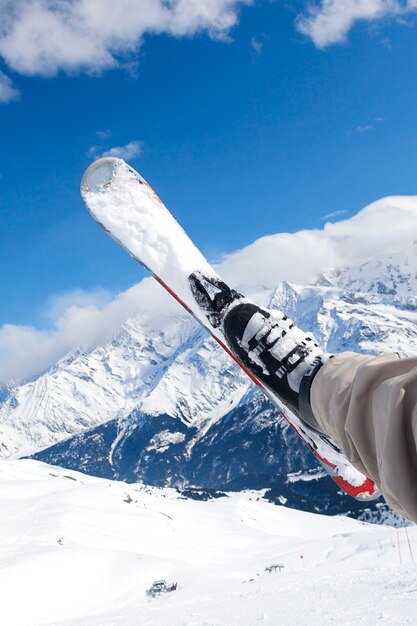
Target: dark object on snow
[159,587]
[274,568]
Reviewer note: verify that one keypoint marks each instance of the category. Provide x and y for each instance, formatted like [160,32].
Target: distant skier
[366,403]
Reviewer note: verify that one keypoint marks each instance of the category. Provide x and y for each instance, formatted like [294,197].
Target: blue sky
[247,121]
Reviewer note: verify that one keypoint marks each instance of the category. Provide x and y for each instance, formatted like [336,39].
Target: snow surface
[81,551]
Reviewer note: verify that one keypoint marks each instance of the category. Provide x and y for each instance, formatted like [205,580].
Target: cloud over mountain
[384,226]
[80,319]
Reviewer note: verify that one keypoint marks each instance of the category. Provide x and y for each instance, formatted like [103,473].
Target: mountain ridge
[164,404]
[164,369]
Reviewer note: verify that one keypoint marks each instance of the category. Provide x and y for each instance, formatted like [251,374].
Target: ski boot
[265,341]
[281,355]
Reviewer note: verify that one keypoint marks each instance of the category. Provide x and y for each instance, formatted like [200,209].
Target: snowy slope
[81,551]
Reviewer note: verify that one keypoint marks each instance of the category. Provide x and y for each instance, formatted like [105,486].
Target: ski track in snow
[81,551]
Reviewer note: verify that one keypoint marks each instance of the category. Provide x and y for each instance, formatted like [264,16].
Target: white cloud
[8,91]
[103,134]
[61,304]
[79,319]
[381,228]
[329,21]
[368,128]
[87,319]
[43,37]
[129,151]
[333,214]
[257,45]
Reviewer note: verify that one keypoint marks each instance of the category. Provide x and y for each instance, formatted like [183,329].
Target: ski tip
[100,174]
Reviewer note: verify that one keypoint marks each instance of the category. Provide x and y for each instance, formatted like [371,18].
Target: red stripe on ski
[368,485]
[230,353]
[173,294]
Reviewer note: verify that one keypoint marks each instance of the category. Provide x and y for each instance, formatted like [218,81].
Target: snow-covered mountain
[174,370]
[163,403]
[82,551]
[393,276]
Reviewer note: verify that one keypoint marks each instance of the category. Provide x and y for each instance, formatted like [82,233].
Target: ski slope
[81,551]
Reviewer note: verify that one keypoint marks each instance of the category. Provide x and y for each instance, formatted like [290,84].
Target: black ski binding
[212,295]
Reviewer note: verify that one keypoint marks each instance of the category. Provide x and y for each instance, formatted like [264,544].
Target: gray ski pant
[369,405]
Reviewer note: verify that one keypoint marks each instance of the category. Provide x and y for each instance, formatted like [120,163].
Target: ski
[129,210]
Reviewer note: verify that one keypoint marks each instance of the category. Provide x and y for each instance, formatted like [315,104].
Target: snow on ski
[123,203]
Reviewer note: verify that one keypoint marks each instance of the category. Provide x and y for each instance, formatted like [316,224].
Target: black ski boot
[281,355]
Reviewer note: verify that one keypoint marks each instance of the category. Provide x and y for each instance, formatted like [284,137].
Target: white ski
[123,203]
